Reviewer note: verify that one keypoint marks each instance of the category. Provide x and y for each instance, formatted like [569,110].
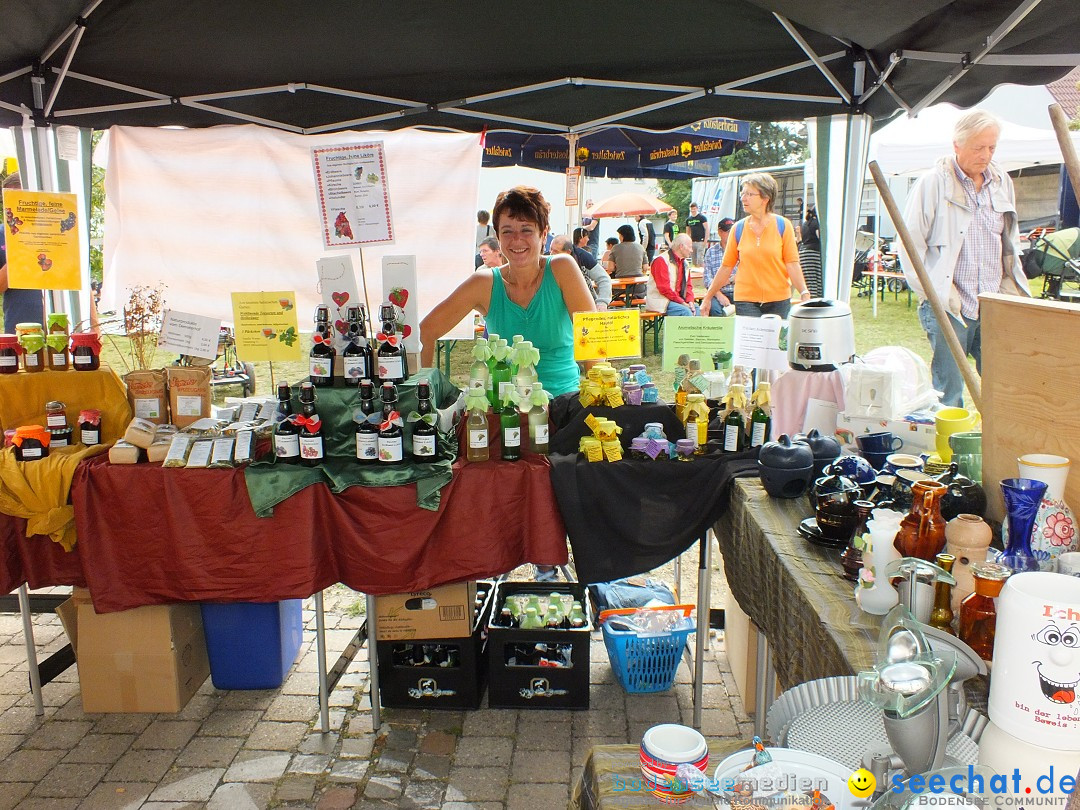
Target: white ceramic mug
[1037,660]
[1050,469]
[902,461]
[1069,563]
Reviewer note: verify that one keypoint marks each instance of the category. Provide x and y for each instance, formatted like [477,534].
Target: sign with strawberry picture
[338,292]
[42,231]
[266,326]
[399,287]
[354,195]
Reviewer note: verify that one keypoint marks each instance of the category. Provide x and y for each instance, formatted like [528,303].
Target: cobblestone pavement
[233,750]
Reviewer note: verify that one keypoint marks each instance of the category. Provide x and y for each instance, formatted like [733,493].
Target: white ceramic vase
[1055,530]
[880,597]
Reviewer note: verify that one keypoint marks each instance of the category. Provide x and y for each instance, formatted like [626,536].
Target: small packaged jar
[55,414]
[90,426]
[28,328]
[649,394]
[85,351]
[33,346]
[654,430]
[56,350]
[637,448]
[632,393]
[685,449]
[31,443]
[9,354]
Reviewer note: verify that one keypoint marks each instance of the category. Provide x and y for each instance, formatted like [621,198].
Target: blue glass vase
[1022,499]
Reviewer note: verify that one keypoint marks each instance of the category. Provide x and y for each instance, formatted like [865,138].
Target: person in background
[648,237]
[628,257]
[599,281]
[483,231]
[798,219]
[592,226]
[698,228]
[671,228]
[531,295]
[714,258]
[669,290]
[963,223]
[763,246]
[490,255]
[610,242]
[810,252]
[20,306]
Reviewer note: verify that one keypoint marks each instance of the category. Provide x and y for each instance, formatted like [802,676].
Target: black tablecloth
[628,517]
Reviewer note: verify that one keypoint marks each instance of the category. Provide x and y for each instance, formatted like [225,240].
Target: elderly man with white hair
[962,218]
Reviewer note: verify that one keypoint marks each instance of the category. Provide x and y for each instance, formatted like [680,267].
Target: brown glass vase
[922,531]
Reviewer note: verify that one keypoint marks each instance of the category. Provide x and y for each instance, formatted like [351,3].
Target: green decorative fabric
[269,483]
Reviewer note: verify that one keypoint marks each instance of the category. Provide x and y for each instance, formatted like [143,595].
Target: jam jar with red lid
[85,351]
[9,353]
[31,443]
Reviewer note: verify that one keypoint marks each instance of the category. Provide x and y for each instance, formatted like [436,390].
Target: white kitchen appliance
[821,335]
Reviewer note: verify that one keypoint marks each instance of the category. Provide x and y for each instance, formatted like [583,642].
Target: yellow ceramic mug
[949,421]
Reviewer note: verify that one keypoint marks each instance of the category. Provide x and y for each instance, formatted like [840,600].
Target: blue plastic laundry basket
[643,663]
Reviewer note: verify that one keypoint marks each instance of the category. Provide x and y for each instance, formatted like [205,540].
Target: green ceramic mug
[967,453]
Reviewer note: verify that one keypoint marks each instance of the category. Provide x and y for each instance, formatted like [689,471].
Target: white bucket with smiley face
[1036,672]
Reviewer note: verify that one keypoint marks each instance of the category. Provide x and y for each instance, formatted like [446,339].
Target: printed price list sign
[354,195]
[193,335]
[266,327]
[606,335]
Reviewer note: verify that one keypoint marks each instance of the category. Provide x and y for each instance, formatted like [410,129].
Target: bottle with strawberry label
[356,357]
[310,439]
[391,430]
[393,363]
[321,357]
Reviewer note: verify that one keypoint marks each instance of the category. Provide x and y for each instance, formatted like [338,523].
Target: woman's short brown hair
[765,185]
[523,202]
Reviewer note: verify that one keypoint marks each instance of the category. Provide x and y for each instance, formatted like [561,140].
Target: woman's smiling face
[521,240]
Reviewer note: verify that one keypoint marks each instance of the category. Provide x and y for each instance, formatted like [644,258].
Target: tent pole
[572,142]
[1068,149]
[942,315]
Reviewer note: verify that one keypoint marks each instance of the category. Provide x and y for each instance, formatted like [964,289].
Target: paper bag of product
[148,394]
[189,393]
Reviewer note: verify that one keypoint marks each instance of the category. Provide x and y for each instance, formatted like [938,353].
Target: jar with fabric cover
[85,351]
[32,341]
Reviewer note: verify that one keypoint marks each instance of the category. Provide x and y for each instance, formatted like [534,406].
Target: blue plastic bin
[252,644]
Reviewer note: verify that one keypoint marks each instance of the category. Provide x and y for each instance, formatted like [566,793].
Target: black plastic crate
[408,686]
[534,686]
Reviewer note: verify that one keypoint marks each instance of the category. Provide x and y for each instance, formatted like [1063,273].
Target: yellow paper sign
[600,335]
[42,232]
[266,325]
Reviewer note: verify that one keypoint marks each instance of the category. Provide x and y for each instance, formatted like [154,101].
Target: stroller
[864,248]
[1056,257]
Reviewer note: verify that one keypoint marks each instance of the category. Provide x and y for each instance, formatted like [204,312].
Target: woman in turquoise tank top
[532,295]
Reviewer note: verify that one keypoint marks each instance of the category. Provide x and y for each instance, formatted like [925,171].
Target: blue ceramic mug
[883,442]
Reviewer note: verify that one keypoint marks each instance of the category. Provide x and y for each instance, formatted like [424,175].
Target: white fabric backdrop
[234,209]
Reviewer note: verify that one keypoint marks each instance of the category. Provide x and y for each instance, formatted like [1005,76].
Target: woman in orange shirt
[763,246]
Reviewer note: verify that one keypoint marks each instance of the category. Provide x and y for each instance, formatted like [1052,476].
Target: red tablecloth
[149,535]
[37,560]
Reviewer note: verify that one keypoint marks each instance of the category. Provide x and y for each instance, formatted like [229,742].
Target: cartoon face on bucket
[1059,673]
[1037,660]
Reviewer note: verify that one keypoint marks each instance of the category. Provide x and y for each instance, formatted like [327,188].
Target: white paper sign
[399,287]
[354,195]
[820,414]
[193,335]
[757,343]
[337,286]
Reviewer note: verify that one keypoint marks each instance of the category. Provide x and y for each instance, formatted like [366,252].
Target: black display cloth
[568,420]
[628,517]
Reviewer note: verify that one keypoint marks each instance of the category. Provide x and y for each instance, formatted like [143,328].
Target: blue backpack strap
[781,225]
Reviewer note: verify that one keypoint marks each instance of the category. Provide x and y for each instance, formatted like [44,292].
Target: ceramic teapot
[826,449]
[963,496]
[837,488]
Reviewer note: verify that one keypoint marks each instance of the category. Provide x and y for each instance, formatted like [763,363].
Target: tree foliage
[769,145]
[97,213]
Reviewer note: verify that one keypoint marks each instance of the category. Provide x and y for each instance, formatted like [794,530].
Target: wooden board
[1030,388]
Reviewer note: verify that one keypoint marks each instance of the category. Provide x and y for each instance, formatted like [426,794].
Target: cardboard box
[443,612]
[740,641]
[69,615]
[918,438]
[150,659]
